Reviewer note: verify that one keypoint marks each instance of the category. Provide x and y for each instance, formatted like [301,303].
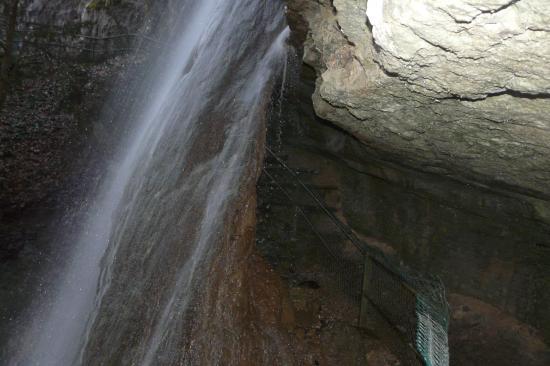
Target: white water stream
[162,205]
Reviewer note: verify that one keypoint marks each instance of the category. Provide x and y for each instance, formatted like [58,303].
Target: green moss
[100,4]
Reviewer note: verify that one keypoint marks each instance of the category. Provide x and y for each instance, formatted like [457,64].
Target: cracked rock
[455,87]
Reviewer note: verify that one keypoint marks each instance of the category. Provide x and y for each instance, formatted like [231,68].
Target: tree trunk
[6,63]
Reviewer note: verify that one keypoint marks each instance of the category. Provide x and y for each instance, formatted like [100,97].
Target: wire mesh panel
[347,272]
[393,298]
[431,338]
[413,305]
[432,323]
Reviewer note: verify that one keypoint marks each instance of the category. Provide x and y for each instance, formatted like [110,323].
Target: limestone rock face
[459,88]
[467,49]
[91,17]
[75,26]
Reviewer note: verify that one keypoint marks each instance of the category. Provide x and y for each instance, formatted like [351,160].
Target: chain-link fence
[414,306]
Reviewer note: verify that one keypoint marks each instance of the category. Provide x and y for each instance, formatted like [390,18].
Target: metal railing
[413,305]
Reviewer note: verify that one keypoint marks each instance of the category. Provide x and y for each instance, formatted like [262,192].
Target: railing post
[364,316]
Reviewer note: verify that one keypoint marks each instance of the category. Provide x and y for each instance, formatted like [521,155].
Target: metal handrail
[345,230]
[362,247]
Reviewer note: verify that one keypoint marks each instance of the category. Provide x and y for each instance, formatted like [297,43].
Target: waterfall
[146,245]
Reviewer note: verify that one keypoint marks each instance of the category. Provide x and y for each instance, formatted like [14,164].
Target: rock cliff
[457,88]
[96,28]
[446,103]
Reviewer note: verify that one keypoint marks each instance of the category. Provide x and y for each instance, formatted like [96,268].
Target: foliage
[100,4]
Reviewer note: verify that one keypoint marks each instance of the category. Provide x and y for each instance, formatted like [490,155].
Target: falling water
[161,210]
